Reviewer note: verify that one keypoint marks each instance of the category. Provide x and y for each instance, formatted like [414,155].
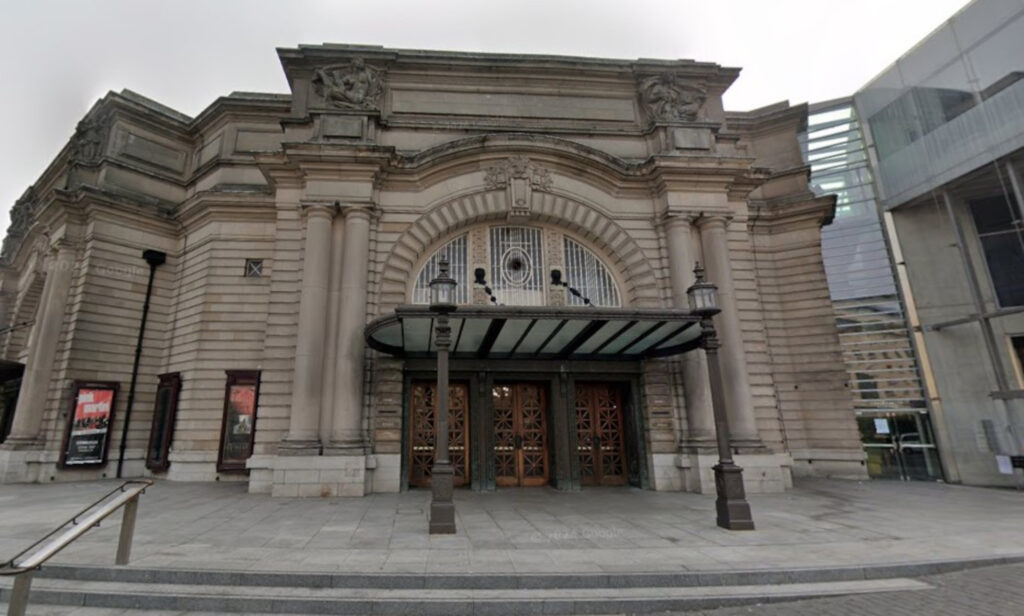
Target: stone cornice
[793,212]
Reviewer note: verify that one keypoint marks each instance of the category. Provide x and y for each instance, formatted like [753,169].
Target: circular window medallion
[516,267]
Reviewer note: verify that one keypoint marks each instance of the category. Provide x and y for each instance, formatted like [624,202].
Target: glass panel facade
[873,335]
[951,105]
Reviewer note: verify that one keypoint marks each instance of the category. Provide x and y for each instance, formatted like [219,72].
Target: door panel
[600,439]
[423,431]
[520,435]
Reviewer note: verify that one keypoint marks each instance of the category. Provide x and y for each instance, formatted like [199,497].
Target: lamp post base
[442,509]
[733,508]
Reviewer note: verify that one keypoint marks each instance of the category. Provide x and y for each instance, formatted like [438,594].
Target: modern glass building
[891,409]
[944,128]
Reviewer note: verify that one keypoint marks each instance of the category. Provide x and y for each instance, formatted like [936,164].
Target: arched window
[516,268]
[585,273]
[456,251]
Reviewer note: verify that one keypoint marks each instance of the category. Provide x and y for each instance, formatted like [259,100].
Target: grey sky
[58,57]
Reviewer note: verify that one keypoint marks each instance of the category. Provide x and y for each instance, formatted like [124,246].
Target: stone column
[738,400]
[304,423]
[331,334]
[347,430]
[35,386]
[682,257]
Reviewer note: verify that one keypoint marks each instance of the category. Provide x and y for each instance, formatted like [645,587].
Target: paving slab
[537,530]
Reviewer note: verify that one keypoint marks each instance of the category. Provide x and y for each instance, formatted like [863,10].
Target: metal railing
[23,564]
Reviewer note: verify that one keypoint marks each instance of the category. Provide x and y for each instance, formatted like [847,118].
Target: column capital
[713,220]
[354,211]
[672,220]
[319,208]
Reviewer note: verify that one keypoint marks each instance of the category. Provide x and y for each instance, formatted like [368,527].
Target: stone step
[432,601]
[497,581]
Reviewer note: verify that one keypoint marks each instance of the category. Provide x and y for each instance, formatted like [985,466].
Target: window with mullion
[1002,241]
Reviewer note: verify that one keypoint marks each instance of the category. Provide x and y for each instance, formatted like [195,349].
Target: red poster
[90,423]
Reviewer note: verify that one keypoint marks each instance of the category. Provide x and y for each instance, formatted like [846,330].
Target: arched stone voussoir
[620,250]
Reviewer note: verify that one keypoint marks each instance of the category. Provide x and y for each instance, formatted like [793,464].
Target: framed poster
[90,419]
[238,427]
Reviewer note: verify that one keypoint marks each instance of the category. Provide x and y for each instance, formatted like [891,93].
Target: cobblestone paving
[989,591]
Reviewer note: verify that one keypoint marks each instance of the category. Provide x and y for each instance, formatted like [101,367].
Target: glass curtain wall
[883,375]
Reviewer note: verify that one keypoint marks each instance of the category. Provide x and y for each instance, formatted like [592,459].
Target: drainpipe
[155,258]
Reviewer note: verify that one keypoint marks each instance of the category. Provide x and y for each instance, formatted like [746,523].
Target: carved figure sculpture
[666,99]
[353,86]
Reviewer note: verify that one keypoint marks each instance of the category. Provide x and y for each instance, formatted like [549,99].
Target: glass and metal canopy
[535,332]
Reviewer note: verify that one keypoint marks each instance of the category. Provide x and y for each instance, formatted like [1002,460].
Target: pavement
[819,524]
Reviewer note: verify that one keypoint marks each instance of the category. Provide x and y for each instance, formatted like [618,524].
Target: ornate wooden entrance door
[520,435]
[423,431]
[600,441]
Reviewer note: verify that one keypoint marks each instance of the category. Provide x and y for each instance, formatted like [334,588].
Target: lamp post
[442,509]
[732,506]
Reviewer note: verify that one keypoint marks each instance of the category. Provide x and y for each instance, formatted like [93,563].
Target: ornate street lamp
[733,509]
[442,475]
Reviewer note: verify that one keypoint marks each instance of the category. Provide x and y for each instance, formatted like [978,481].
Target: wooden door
[520,435]
[600,440]
[423,431]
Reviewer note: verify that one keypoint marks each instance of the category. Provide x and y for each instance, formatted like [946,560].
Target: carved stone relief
[356,85]
[519,177]
[22,214]
[667,99]
[89,140]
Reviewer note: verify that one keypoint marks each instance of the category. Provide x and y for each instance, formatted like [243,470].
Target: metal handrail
[61,537]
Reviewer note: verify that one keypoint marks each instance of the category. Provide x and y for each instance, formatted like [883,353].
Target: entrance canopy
[531,332]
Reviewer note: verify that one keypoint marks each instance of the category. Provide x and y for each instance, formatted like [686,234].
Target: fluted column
[739,403]
[331,333]
[304,422]
[347,433]
[28,415]
[682,256]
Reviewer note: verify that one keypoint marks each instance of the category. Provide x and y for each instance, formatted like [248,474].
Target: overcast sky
[58,57]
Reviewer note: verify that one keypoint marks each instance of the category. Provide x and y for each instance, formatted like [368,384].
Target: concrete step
[261,599]
[498,581]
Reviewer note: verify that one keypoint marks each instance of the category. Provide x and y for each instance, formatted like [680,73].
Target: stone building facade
[292,222]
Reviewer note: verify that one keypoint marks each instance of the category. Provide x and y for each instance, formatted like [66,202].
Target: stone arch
[15,346]
[619,250]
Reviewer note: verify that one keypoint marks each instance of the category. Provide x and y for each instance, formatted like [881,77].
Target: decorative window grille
[517,268]
[585,272]
[253,268]
[456,252]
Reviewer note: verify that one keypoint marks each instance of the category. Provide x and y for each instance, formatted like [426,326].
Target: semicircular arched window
[456,251]
[519,268]
[585,273]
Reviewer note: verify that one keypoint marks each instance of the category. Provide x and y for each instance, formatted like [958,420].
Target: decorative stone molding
[666,99]
[22,214]
[519,177]
[356,85]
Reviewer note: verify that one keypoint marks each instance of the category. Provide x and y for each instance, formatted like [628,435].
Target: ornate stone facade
[343,192]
